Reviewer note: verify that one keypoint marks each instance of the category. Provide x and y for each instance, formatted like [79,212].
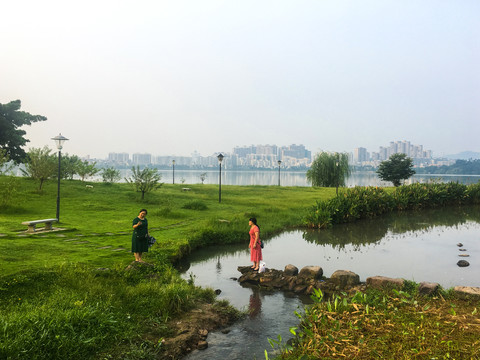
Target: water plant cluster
[370,325]
[368,202]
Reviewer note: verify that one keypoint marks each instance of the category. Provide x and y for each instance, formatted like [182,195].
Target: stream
[417,246]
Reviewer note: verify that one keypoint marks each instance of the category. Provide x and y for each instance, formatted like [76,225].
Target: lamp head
[59,140]
[220,157]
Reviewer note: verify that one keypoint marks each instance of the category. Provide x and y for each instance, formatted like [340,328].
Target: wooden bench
[32,224]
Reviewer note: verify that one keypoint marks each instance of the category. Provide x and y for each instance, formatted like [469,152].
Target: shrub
[367,202]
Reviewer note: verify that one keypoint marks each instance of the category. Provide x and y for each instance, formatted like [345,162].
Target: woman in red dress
[255,248]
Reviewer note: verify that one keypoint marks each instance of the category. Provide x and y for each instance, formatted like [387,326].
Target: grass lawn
[97,221]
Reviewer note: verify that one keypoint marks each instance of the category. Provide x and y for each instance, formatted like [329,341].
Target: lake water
[287,178]
[418,246]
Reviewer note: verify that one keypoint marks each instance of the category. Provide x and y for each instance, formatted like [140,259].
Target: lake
[287,178]
[418,246]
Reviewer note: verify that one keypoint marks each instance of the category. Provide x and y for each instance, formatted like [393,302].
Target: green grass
[66,294]
[102,216]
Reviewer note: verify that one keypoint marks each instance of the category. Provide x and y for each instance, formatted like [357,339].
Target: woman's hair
[146,212]
[254,221]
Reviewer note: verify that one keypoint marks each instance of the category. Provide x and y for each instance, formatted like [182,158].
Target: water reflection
[255,304]
[373,231]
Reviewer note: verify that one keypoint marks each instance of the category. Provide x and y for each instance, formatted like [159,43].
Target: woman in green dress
[140,235]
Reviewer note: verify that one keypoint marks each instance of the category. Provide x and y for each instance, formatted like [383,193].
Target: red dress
[255,253]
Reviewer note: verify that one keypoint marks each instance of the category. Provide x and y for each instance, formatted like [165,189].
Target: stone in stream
[291,270]
[463,263]
[428,288]
[344,278]
[202,345]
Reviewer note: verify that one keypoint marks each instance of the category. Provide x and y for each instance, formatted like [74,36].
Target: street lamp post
[173,170]
[59,140]
[220,158]
[279,163]
[337,163]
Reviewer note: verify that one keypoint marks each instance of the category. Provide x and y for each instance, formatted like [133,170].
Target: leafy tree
[8,189]
[41,165]
[397,168]
[84,169]
[4,162]
[69,166]
[329,170]
[145,180]
[203,176]
[110,175]
[11,137]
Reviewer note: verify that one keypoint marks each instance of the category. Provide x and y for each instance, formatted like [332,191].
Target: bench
[32,224]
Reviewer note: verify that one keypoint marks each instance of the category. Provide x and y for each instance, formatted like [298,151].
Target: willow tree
[329,170]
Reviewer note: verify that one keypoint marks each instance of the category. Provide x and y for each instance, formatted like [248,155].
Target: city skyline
[268,156]
[175,77]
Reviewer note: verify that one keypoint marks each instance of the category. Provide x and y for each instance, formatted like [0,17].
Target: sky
[174,77]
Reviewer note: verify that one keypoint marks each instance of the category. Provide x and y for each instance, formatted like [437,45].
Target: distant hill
[464,155]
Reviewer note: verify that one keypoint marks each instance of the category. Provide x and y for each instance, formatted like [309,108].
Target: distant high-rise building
[118,158]
[142,159]
[360,154]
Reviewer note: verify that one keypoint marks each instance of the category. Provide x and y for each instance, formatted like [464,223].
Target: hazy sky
[171,77]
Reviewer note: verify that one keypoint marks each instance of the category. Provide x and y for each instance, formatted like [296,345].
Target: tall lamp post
[59,140]
[337,163]
[220,158]
[173,170]
[279,163]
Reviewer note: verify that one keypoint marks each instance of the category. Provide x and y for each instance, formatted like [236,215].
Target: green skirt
[139,245]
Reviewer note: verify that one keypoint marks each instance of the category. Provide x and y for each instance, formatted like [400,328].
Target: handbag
[151,240]
[261,244]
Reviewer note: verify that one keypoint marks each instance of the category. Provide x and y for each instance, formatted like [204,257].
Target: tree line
[463,167]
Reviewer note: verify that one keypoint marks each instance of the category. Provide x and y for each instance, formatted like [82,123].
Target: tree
[11,137]
[329,170]
[84,169]
[40,165]
[397,168]
[203,176]
[69,166]
[110,175]
[4,162]
[144,181]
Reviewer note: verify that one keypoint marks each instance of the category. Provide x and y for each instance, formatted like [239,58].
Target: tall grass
[369,202]
[82,312]
[385,325]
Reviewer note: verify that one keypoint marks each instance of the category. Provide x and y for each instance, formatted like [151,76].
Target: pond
[418,246]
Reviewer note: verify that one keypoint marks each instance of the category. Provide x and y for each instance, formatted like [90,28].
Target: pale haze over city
[174,77]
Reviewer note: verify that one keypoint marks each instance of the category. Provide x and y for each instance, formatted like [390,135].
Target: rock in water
[463,263]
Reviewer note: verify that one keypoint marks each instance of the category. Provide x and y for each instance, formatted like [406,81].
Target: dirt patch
[191,330]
